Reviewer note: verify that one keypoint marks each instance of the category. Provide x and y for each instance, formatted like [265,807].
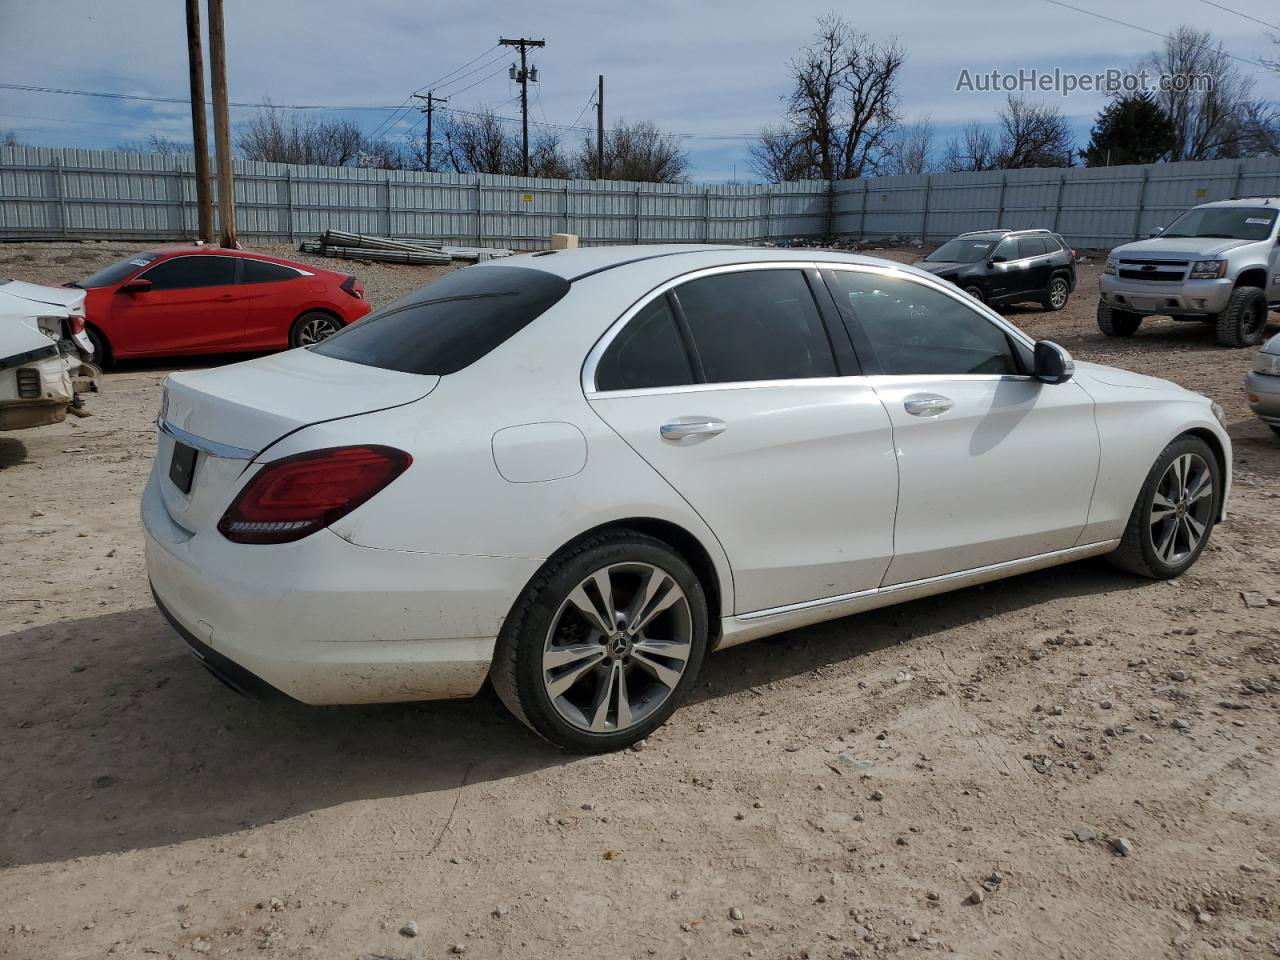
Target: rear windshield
[450,324]
[109,276]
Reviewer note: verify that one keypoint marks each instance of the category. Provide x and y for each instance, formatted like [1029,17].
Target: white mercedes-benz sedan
[575,473]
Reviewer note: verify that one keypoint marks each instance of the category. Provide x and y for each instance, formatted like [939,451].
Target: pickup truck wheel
[1057,295]
[1245,319]
[1117,323]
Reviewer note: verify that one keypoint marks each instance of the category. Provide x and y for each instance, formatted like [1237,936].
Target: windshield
[1226,223]
[962,251]
[450,324]
[109,276]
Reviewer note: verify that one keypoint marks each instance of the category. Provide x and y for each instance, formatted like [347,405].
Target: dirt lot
[846,787]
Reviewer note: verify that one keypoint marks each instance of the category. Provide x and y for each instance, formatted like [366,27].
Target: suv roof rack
[1265,200]
[1006,230]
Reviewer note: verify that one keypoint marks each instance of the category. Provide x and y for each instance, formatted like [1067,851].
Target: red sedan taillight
[296,496]
[353,286]
[76,321]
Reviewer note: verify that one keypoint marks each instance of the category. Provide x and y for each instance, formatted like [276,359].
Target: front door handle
[691,429]
[927,405]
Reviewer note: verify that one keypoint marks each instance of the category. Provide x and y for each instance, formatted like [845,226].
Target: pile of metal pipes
[355,246]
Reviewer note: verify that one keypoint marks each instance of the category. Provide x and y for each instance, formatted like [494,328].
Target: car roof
[1243,202]
[162,253]
[587,261]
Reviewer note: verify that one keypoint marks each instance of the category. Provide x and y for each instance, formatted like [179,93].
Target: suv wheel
[975,291]
[1245,319]
[1057,295]
[604,644]
[1117,323]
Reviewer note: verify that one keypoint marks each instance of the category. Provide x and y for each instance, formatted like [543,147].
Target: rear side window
[1031,247]
[647,353]
[259,271]
[450,324]
[756,325]
[185,272]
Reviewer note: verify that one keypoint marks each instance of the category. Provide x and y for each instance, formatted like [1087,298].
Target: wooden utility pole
[522,77]
[199,126]
[431,101]
[222,126]
[600,130]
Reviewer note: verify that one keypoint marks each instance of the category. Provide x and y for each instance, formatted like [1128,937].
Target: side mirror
[1053,363]
[994,260]
[136,285]
[1156,232]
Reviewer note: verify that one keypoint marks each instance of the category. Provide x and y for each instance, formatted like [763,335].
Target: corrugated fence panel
[47,192]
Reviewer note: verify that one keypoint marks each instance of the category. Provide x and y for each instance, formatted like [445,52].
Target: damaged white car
[45,355]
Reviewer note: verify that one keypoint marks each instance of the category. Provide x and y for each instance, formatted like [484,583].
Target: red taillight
[353,286]
[296,496]
[1074,255]
[77,323]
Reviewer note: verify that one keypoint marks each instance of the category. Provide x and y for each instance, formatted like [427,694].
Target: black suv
[1007,266]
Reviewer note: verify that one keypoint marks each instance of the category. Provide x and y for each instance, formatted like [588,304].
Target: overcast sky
[715,70]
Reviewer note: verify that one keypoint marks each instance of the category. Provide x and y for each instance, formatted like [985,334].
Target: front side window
[110,276]
[1008,250]
[649,352]
[449,324]
[185,272]
[755,325]
[913,329]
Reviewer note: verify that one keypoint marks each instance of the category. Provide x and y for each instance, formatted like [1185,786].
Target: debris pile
[355,246]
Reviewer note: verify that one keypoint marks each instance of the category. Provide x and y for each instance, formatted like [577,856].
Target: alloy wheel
[1058,293]
[617,648]
[315,330]
[1181,509]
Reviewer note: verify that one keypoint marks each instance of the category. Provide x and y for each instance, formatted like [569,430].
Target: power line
[96,123]
[1239,14]
[400,111]
[590,100]
[1133,26]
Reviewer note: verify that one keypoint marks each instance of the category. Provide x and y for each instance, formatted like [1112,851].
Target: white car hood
[1115,377]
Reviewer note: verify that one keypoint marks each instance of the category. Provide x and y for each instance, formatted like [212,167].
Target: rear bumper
[1263,394]
[1191,297]
[325,621]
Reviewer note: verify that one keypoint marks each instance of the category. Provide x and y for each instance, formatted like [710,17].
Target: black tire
[517,671]
[101,349]
[1274,428]
[312,327]
[1244,321]
[1138,552]
[1057,295]
[1117,323]
[976,292]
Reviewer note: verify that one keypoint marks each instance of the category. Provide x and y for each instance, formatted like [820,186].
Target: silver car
[1262,384]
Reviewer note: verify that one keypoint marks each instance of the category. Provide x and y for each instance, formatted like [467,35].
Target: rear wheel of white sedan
[1175,512]
[604,644]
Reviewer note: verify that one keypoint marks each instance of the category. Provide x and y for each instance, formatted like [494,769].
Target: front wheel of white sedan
[604,644]
[1175,512]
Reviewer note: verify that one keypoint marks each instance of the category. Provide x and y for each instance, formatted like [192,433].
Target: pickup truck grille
[1168,271]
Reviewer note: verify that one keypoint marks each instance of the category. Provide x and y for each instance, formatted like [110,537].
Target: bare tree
[973,149]
[910,149]
[9,138]
[479,143]
[1033,135]
[781,154]
[290,137]
[842,109]
[1206,114]
[1260,129]
[636,151]
[154,143]
[547,157]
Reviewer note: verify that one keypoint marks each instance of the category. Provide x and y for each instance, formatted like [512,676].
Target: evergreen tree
[1130,129]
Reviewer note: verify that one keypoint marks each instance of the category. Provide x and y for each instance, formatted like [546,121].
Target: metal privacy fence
[71,193]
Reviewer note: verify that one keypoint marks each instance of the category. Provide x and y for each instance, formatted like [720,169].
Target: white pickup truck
[45,355]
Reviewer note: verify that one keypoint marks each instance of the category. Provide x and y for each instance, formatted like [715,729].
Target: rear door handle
[691,429]
[927,405]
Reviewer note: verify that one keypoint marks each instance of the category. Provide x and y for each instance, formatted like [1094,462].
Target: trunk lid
[69,297]
[232,413]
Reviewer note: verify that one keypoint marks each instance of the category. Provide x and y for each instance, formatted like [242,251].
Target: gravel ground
[1072,763]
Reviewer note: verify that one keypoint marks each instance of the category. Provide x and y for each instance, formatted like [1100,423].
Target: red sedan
[196,300]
